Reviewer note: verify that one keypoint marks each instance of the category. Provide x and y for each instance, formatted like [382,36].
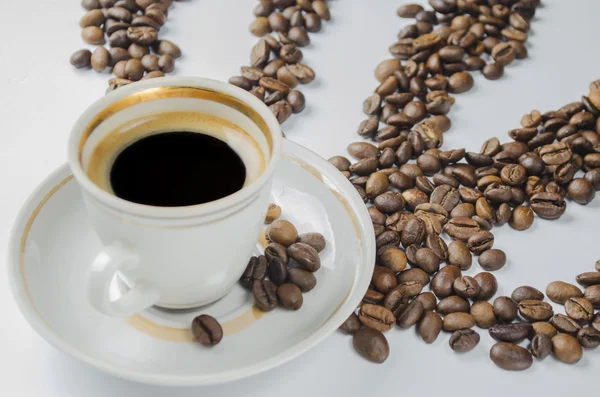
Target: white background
[41,95]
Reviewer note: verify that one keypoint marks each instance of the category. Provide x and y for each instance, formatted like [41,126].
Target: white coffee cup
[172,257]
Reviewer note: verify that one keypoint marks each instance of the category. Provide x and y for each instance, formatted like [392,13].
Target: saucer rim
[361,282]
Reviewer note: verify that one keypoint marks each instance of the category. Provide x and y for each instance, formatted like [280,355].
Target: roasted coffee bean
[560,292]
[428,300]
[532,163]
[493,71]
[535,310]
[290,296]
[456,321]
[565,324]
[464,340]
[93,17]
[100,59]
[376,317]
[541,346]
[238,81]
[413,198]
[368,127]
[377,184]
[580,310]
[162,47]
[592,293]
[315,240]
[459,255]
[548,205]
[483,313]
[460,82]
[442,282]
[277,270]
[282,232]
[389,202]
[493,259]
[305,255]
[296,100]
[480,242]
[430,326]
[589,337]
[461,228]
[90,4]
[488,285]
[522,218]
[424,184]
[351,325]
[265,294]
[81,58]
[207,330]
[92,35]
[392,258]
[410,314]
[371,344]
[581,191]
[340,162]
[117,55]
[513,333]
[505,309]
[397,299]
[388,237]
[256,270]
[383,279]
[566,348]
[304,279]
[588,278]
[511,357]
[372,296]
[413,274]
[464,210]
[438,246]
[544,328]
[453,304]
[466,287]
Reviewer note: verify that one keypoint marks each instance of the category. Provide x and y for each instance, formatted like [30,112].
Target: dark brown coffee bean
[466,287]
[167,47]
[483,313]
[458,320]
[580,310]
[296,101]
[480,242]
[446,196]
[442,282]
[413,198]
[265,294]
[81,58]
[493,259]
[389,202]
[90,4]
[371,344]
[290,296]
[589,337]
[238,81]
[522,218]
[305,255]
[548,205]
[505,309]
[461,228]
[566,348]
[541,346]
[560,292]
[277,270]
[256,270]
[459,255]
[368,127]
[581,191]
[282,110]
[427,260]
[430,326]
[383,279]
[453,304]
[410,314]
[460,82]
[493,71]
[351,325]
[513,333]
[372,296]
[304,279]
[511,357]
[535,310]
[207,330]
[413,274]
[588,278]
[376,317]
[388,237]
[464,340]
[488,285]
[592,293]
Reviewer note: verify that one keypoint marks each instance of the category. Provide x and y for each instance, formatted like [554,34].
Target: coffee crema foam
[110,146]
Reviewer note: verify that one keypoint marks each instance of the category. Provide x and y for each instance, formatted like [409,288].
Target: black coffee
[176,169]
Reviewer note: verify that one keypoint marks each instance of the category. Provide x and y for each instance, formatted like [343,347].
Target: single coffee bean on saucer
[207,330]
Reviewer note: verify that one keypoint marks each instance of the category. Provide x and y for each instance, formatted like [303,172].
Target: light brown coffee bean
[535,310]
[100,59]
[511,357]
[443,281]
[459,255]
[351,325]
[488,285]
[483,313]
[453,304]
[92,35]
[466,287]
[493,259]
[376,317]
[566,348]
[456,321]
[560,292]
[430,326]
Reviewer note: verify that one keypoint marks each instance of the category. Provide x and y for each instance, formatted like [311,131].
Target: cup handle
[108,261]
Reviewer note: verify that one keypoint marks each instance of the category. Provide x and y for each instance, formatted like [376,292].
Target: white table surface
[41,95]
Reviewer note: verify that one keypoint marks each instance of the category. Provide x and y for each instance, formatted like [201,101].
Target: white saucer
[52,243]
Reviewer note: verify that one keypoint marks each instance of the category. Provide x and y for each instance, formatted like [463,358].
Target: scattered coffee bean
[483,313]
[492,259]
[541,346]
[265,294]
[282,232]
[505,309]
[488,285]
[560,292]
[511,357]
[535,310]
[456,321]
[376,317]
[290,296]
[207,330]
[464,340]
[566,348]
[371,344]
[430,326]
[589,337]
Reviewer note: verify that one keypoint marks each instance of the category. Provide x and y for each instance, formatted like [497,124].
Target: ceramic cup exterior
[173,257]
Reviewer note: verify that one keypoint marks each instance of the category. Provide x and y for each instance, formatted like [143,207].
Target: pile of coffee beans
[286,270]
[416,192]
[277,278]
[130,27]
[276,66]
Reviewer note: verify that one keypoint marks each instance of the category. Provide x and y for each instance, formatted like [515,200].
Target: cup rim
[149,211]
